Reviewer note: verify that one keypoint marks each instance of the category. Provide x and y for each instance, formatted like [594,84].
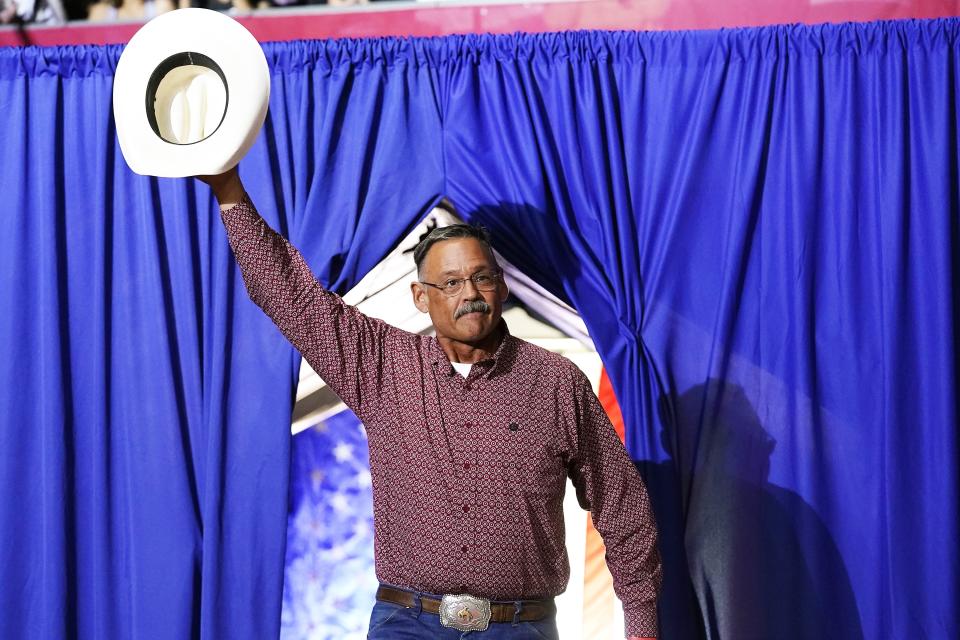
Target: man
[472,435]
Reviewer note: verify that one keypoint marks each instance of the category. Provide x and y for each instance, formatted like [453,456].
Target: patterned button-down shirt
[468,473]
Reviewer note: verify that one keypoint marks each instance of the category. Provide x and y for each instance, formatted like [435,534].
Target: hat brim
[246,75]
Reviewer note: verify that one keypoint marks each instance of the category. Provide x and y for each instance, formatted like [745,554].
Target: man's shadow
[743,559]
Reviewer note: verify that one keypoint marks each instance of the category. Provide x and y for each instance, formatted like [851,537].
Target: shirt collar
[501,359]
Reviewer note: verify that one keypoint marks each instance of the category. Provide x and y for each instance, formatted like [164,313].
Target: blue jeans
[392,622]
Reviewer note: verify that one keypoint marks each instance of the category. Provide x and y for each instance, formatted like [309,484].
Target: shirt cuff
[243,209]
[641,622]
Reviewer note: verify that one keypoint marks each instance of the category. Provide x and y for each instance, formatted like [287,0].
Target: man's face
[454,259]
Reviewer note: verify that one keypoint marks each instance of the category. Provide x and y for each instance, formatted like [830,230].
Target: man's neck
[470,352]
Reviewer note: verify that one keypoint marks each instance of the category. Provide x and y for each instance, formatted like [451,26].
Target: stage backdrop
[329,583]
[759,227]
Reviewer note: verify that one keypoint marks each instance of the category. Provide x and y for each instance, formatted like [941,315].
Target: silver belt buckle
[464,612]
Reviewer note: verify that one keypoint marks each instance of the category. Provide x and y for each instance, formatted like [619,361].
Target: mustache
[473,306]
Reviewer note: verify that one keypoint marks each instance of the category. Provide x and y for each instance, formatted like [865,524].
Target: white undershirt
[463,368]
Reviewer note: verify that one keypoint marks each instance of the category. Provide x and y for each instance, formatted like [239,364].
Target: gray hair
[451,232]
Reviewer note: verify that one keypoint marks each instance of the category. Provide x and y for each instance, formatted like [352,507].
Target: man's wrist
[230,193]
[227,188]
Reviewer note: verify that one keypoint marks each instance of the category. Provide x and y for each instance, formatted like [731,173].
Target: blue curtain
[145,402]
[760,228]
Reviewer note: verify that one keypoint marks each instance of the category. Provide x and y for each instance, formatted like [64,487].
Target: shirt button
[463,548]
[466,508]
[466,465]
[467,425]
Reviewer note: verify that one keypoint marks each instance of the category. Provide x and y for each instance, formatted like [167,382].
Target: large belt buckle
[464,612]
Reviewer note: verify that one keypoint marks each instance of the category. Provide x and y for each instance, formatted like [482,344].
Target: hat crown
[195,106]
[190,94]
[189,103]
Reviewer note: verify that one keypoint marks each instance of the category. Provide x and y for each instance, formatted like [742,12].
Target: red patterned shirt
[468,473]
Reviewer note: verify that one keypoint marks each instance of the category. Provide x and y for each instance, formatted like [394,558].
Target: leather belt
[530,610]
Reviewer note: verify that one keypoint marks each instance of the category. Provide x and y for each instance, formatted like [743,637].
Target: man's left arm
[609,486]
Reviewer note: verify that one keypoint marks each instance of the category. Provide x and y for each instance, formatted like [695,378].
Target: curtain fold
[145,401]
[758,226]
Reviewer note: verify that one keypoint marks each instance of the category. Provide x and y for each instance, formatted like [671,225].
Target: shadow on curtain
[727,524]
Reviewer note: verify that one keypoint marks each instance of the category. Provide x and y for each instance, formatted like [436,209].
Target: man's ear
[504,291]
[419,297]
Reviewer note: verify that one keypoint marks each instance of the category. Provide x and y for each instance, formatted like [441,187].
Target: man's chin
[472,326]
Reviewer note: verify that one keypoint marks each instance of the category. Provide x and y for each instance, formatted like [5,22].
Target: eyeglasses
[483,281]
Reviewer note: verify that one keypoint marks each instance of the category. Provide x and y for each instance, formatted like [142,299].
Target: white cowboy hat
[190,94]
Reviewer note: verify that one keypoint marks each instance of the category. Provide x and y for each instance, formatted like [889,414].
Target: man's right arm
[345,347]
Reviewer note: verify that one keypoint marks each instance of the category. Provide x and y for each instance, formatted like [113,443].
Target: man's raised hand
[226,186]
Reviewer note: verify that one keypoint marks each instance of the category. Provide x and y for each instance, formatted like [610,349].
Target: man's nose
[470,290]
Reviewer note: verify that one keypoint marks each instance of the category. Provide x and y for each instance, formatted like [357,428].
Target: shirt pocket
[523,459]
